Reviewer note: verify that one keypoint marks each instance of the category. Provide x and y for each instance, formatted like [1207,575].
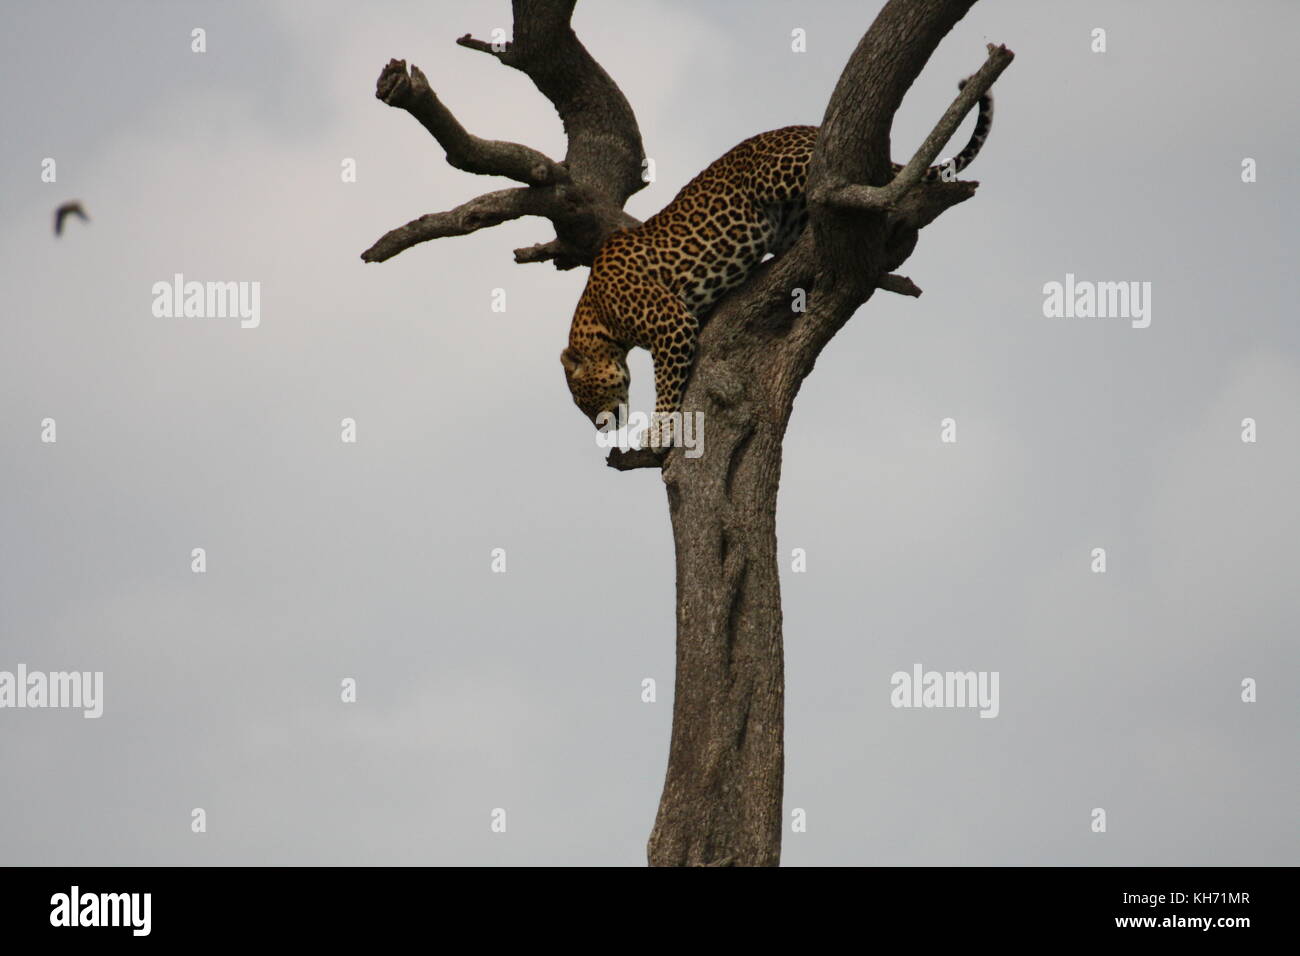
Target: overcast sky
[522,690]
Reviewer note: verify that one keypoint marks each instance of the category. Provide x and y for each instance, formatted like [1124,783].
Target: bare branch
[920,207]
[864,225]
[488,157]
[583,196]
[490,209]
[563,255]
[605,151]
[999,59]
[876,198]
[483,46]
[633,458]
[900,284]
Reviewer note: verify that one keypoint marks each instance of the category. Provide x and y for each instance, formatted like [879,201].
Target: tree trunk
[721,803]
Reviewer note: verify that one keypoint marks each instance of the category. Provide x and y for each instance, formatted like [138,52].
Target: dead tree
[721,803]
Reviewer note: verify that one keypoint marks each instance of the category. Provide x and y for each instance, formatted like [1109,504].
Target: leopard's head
[597,382]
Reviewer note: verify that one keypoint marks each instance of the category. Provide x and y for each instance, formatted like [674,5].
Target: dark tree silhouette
[721,803]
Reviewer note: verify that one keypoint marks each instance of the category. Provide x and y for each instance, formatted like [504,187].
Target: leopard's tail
[983,123]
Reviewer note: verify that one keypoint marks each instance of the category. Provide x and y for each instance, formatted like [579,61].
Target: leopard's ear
[571,359]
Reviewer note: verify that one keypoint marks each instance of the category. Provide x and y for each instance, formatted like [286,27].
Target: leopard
[653,285]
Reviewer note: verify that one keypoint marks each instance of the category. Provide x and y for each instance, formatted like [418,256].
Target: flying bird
[63,212]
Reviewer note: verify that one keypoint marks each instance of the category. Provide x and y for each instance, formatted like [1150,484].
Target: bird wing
[66,210]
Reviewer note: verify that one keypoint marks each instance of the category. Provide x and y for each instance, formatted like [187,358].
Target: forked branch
[582,196]
[836,191]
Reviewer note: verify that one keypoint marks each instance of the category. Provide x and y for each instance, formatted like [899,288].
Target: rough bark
[722,797]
